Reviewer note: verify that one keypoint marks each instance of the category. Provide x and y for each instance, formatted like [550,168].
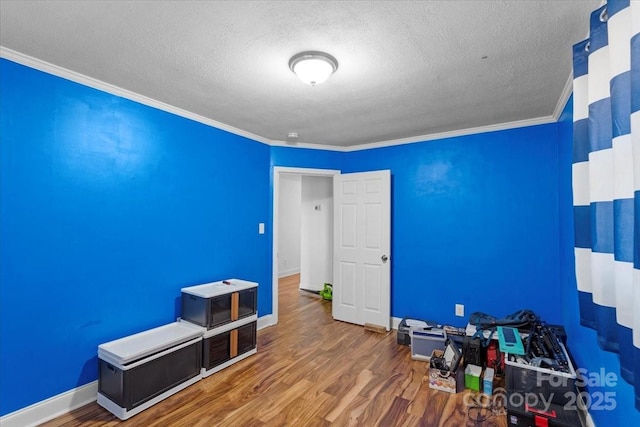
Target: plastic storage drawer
[424,341]
[138,371]
[223,348]
[217,303]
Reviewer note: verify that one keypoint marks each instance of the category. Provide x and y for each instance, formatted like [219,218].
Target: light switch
[261,228]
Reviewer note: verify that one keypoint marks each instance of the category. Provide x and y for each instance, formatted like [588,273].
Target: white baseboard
[395,321]
[51,408]
[289,272]
[263,322]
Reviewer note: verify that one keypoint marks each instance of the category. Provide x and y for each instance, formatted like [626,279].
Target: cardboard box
[472,375]
[450,379]
[487,382]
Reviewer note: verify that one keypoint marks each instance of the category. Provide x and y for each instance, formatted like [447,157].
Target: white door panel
[347,274]
[362,242]
[348,226]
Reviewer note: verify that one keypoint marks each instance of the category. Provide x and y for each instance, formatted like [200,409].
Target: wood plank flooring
[309,371]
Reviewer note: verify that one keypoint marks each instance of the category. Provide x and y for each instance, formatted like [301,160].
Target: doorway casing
[278,171]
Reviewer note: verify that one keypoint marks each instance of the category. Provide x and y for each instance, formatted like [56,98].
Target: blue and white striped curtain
[606,181]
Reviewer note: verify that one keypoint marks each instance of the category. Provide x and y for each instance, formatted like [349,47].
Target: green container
[472,374]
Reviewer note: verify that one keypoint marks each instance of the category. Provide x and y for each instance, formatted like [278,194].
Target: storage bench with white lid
[140,370]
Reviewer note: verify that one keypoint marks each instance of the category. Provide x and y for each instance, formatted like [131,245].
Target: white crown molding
[564,97]
[275,143]
[51,408]
[442,135]
[49,68]
[64,73]
[453,134]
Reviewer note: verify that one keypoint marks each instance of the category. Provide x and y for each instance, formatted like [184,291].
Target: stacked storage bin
[218,328]
[226,311]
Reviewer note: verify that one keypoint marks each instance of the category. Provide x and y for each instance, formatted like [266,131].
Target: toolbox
[522,414]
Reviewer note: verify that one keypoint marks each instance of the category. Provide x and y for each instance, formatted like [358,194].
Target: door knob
[384,258]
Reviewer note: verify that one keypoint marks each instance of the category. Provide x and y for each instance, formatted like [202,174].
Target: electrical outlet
[460,310]
[261,228]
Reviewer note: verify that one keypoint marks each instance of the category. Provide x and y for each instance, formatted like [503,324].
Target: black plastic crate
[525,379]
[129,388]
[403,337]
[218,303]
[221,347]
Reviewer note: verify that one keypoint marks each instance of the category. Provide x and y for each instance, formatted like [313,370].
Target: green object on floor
[327,292]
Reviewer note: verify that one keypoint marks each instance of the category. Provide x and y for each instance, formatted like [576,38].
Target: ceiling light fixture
[313,67]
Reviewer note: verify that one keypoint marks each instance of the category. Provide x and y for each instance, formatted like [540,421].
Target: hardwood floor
[309,371]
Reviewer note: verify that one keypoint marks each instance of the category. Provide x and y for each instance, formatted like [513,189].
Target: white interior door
[362,243]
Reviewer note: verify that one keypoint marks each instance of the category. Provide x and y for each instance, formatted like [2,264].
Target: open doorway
[313,219]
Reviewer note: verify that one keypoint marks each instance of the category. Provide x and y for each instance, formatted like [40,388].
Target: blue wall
[108,208]
[474,221]
[583,341]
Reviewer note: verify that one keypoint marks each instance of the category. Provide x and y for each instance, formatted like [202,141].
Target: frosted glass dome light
[313,68]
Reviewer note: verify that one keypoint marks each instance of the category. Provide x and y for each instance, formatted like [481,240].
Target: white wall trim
[453,134]
[52,407]
[564,97]
[277,172]
[289,272]
[64,73]
[395,322]
[327,147]
[264,322]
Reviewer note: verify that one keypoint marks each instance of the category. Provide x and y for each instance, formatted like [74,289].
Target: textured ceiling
[406,68]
